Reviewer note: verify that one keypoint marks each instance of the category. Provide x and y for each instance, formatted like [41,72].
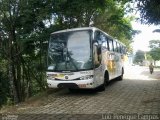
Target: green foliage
[149,11]
[155,53]
[155,49]
[4,83]
[79,13]
[156,30]
[139,57]
[149,57]
[154,44]
[23,41]
[114,22]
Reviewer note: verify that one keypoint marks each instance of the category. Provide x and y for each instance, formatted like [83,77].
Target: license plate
[82,85]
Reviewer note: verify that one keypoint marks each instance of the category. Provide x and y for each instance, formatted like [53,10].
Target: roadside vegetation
[149,14]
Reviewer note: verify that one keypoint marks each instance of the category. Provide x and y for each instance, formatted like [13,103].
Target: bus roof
[76,29]
[86,28]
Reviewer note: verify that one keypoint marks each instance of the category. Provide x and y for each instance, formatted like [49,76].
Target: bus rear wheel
[121,76]
[103,86]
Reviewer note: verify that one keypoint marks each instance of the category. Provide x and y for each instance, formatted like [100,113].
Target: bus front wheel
[103,86]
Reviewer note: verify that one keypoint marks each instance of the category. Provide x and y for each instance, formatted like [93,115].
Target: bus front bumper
[78,84]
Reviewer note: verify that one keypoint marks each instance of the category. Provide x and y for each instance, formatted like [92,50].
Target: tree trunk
[13,90]
[0,40]
[18,79]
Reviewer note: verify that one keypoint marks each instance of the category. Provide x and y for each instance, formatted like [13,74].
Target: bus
[84,58]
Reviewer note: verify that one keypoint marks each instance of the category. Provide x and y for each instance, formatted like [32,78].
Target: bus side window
[118,47]
[115,46]
[105,42]
[98,37]
[97,49]
[110,43]
[125,50]
[121,49]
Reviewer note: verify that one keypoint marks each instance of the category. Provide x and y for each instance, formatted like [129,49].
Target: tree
[149,11]
[20,21]
[139,57]
[155,53]
[155,49]
[115,22]
[156,30]
[4,82]
[79,13]
[154,44]
[149,57]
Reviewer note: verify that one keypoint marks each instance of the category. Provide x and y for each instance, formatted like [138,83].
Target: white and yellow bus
[84,58]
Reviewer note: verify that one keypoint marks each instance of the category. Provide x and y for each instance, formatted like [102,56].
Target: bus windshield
[70,51]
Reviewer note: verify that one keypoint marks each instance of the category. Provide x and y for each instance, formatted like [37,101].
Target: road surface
[136,97]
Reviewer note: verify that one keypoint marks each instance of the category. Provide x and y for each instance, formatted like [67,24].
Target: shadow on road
[112,82]
[77,92]
[141,73]
[85,92]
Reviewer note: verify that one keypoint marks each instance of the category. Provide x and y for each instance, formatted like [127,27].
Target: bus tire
[106,78]
[103,86]
[120,78]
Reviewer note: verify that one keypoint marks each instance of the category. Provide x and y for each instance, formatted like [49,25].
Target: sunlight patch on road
[139,77]
[138,73]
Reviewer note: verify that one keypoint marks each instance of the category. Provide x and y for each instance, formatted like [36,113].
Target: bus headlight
[50,77]
[86,77]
